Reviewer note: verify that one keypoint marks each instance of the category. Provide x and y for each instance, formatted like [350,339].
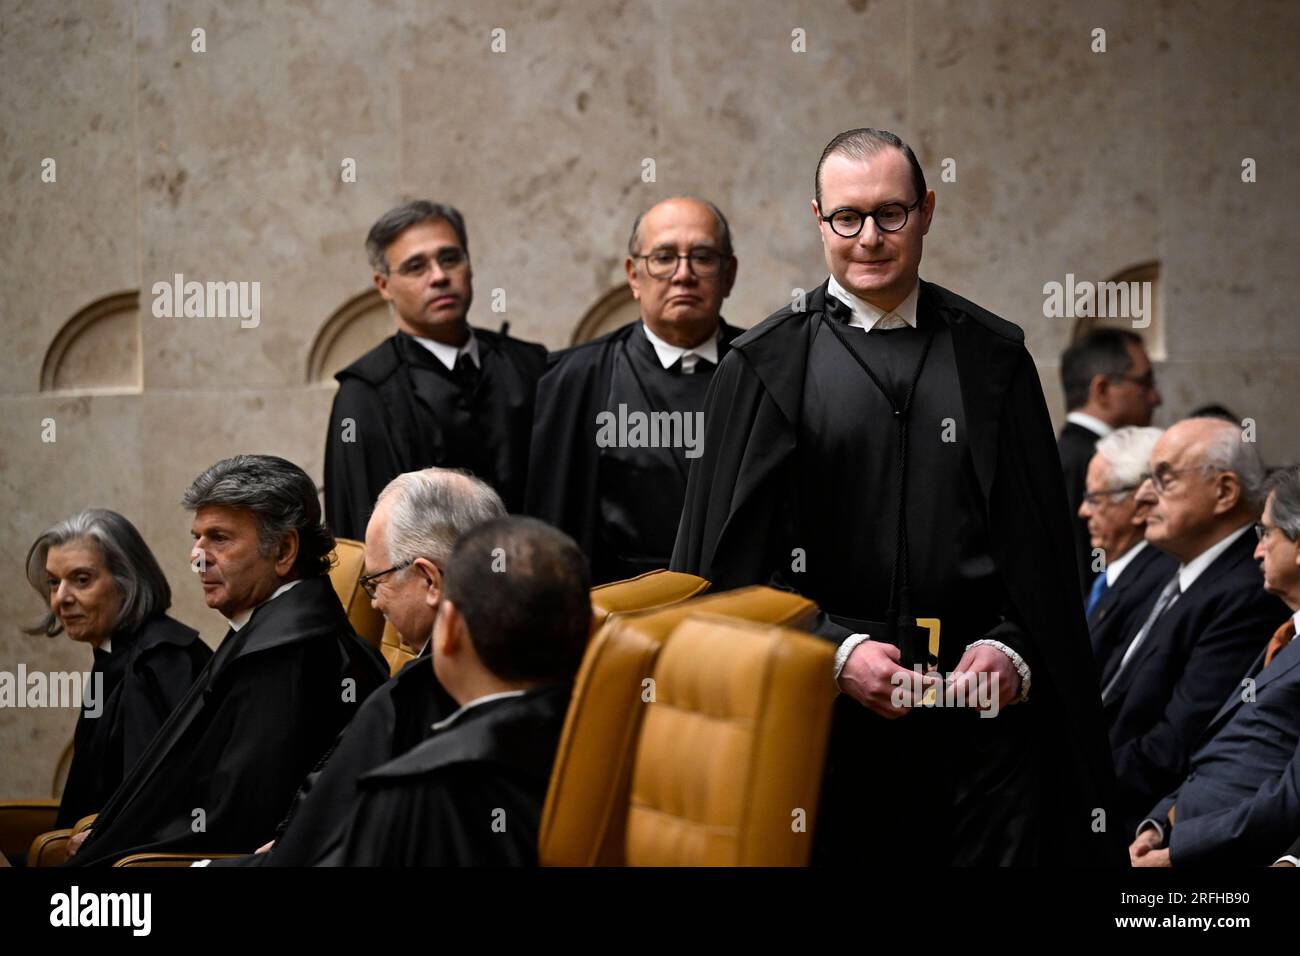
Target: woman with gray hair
[104,588]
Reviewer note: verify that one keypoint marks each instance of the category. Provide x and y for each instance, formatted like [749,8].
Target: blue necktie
[1098,589]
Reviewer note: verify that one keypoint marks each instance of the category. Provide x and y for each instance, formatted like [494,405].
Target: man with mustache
[438,392]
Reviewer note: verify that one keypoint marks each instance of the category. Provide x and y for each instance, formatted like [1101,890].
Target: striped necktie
[1166,599]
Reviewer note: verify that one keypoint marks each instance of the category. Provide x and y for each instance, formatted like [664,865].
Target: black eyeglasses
[1145,382]
[702,263]
[890,217]
[1160,478]
[1097,497]
[1262,531]
[370,582]
[448,260]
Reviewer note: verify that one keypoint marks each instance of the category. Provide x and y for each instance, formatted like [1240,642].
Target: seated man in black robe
[619,419]
[1130,571]
[438,392]
[507,644]
[288,675]
[884,448]
[415,525]
[105,589]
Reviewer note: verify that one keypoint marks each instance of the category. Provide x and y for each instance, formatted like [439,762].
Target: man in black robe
[288,675]
[1108,383]
[619,419]
[416,523]
[880,396]
[507,643]
[438,392]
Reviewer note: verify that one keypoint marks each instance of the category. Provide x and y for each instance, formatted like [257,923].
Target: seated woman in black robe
[105,589]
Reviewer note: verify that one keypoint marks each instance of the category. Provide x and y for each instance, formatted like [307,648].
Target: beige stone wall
[225,165]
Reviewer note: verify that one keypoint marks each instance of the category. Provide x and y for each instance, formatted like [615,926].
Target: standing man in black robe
[616,491]
[438,392]
[1108,383]
[416,523]
[288,675]
[880,397]
[506,645]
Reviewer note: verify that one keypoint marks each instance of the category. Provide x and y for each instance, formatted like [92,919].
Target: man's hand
[264,848]
[992,663]
[1154,858]
[75,841]
[1146,843]
[872,677]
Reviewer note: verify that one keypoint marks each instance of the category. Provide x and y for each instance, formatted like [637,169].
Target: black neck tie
[466,373]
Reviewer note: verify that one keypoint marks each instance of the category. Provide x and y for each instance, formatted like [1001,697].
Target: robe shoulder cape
[393,719]
[564,462]
[391,431]
[223,769]
[161,662]
[735,491]
[470,795]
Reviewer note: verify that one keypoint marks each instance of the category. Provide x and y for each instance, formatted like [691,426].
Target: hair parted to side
[432,509]
[140,581]
[1284,483]
[401,218]
[862,144]
[523,590]
[1227,450]
[1100,352]
[280,494]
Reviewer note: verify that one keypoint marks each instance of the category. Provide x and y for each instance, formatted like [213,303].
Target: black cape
[393,719]
[734,499]
[254,723]
[470,795]
[566,480]
[144,677]
[409,413]
[1076,447]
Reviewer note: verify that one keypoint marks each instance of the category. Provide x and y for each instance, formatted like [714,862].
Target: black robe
[733,533]
[395,718]
[145,675]
[1076,447]
[621,504]
[254,723]
[408,412]
[470,795]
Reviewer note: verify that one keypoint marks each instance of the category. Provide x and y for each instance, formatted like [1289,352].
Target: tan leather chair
[23,821]
[345,575]
[644,592]
[394,650]
[728,767]
[584,822]
[170,859]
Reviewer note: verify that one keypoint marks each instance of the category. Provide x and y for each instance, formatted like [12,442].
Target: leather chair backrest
[585,816]
[642,593]
[345,575]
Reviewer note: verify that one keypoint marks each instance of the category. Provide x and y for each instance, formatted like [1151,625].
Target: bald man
[619,419]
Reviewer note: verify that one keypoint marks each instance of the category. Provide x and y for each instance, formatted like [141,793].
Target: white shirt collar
[1116,567]
[1189,572]
[867,316]
[669,353]
[1090,422]
[1296,617]
[239,620]
[453,717]
[448,354]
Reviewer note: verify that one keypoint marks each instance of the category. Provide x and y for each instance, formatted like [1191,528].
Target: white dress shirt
[239,620]
[1093,424]
[456,715]
[448,354]
[669,353]
[869,317]
[1116,567]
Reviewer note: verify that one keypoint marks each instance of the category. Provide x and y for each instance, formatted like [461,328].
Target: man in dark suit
[1108,383]
[288,675]
[621,500]
[1240,800]
[1133,569]
[506,645]
[438,392]
[884,449]
[1209,620]
[415,525]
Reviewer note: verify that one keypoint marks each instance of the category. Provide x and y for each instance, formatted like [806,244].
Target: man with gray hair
[1128,570]
[438,392]
[288,675]
[620,418]
[416,523]
[1239,802]
[1204,625]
